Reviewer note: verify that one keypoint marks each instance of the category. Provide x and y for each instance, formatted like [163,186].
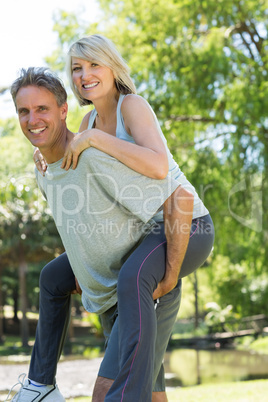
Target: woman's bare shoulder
[84,123]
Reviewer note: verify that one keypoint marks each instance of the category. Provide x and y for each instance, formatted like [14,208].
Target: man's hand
[166,285]
[77,290]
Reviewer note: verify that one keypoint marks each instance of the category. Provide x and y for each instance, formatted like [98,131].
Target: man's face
[41,119]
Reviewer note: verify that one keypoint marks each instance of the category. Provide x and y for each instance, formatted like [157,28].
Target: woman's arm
[147,156]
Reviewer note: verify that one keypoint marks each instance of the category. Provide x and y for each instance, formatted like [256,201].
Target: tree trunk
[196,317]
[265,204]
[1,310]
[15,304]
[24,325]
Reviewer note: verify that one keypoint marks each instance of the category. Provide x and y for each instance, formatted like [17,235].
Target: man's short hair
[39,77]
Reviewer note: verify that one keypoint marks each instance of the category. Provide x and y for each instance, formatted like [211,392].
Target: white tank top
[174,170]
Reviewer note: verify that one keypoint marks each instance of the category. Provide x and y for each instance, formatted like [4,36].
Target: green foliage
[75,116]
[27,231]
[94,321]
[16,153]
[234,284]
[91,353]
[70,28]
[12,346]
[203,68]
[219,319]
[260,345]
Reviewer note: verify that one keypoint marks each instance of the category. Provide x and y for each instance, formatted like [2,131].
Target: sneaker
[32,393]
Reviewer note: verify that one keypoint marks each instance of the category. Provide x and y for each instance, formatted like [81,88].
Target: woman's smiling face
[92,80]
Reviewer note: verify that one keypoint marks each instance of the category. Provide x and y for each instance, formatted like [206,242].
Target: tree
[203,67]
[27,230]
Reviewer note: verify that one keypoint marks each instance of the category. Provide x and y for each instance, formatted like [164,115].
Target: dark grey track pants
[141,332]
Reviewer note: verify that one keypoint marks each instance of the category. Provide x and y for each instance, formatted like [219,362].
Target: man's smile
[37,130]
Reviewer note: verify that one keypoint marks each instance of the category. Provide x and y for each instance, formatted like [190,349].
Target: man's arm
[178,211]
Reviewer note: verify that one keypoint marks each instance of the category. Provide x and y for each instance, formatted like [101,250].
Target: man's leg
[102,386]
[110,364]
[57,281]
[159,397]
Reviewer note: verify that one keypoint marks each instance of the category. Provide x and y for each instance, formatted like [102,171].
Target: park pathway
[74,377]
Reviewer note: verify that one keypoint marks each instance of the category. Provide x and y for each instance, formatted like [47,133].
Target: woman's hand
[39,161]
[74,149]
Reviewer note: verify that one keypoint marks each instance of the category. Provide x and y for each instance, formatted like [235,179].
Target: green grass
[249,391]
[260,345]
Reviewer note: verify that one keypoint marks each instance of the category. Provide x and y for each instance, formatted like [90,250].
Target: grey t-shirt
[102,209]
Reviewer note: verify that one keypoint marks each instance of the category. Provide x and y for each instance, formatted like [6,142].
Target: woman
[103,79]
[123,125]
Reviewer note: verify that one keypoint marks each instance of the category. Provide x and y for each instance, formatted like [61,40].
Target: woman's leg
[144,331]
[200,245]
[57,281]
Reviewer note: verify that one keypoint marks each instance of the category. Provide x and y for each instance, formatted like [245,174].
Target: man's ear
[64,111]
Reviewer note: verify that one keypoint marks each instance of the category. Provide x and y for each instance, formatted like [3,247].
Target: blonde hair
[102,51]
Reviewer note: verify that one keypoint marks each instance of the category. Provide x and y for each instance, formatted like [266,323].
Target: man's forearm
[178,211]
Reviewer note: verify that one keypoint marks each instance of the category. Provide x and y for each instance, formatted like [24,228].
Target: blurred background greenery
[202,65]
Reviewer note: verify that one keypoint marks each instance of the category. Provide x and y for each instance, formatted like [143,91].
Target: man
[119,257]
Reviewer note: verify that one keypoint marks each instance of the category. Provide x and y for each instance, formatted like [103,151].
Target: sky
[27,37]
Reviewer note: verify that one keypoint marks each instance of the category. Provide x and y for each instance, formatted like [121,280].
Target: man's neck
[56,152]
